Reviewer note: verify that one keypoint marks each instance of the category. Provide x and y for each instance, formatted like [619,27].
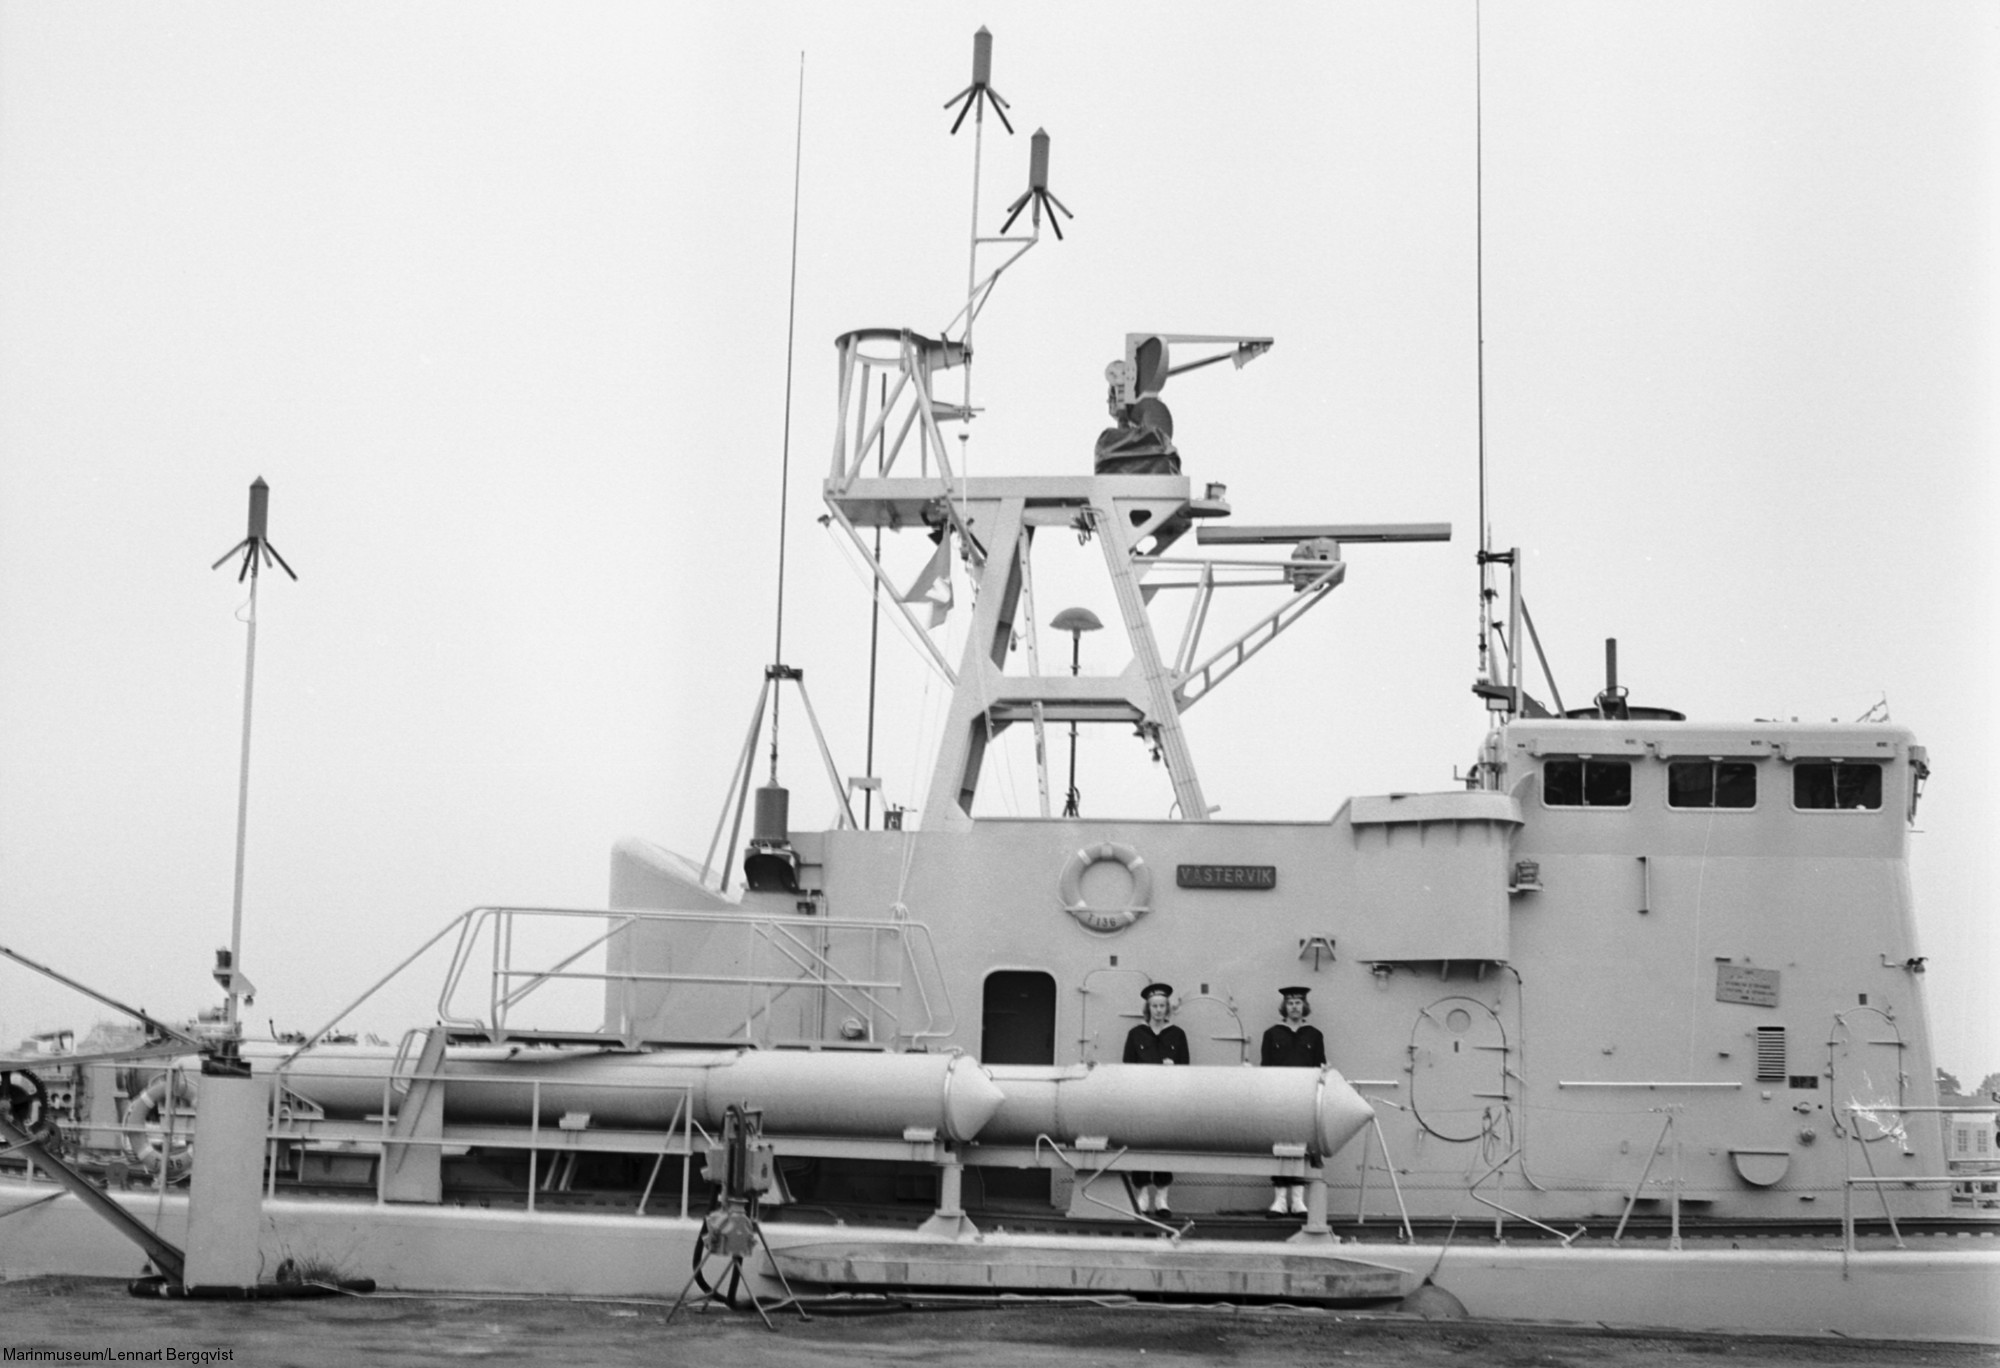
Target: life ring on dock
[1137,903]
[148,1138]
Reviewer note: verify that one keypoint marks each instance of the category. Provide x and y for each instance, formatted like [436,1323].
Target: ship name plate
[1259,878]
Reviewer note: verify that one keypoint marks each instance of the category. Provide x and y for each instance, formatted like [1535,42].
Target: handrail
[1652,1153]
[931,1015]
[1198,682]
[1374,1133]
[1472,1191]
[459,921]
[810,960]
[1855,1111]
[1110,1162]
[793,938]
[555,971]
[683,1125]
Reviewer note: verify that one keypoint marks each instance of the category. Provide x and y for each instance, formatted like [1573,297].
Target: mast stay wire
[785,461]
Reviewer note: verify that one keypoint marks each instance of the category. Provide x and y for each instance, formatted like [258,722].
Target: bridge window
[1584,782]
[1711,784]
[1837,784]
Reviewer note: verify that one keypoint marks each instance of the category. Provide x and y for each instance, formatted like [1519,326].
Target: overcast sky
[495,297]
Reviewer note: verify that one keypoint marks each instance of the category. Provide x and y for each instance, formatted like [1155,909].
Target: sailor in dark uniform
[1292,1044]
[1155,1040]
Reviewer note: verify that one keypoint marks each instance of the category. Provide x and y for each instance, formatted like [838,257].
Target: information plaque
[1740,983]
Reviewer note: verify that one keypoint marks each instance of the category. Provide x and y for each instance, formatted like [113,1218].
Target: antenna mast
[982,93]
[770,863]
[1035,198]
[1504,697]
[1486,662]
[257,553]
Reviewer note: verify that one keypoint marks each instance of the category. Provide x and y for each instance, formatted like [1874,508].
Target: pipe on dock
[1227,1109]
[804,1092]
[872,1094]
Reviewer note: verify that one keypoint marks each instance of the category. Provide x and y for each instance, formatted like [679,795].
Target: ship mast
[1504,696]
[1501,699]
[257,553]
[1135,505]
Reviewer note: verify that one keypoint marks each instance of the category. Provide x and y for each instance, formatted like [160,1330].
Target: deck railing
[883,974]
[882,978]
[682,1137]
[1856,1112]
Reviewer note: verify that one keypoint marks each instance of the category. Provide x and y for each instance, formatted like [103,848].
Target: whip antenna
[1479,330]
[770,863]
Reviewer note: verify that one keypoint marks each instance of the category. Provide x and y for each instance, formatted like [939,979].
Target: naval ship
[1625,994]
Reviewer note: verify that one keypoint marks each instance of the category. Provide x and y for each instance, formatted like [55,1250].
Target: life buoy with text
[1137,903]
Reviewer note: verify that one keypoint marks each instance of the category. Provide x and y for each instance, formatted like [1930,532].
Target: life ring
[146,1129]
[1107,918]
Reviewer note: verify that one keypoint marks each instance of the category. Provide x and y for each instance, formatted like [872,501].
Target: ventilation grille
[1770,1054]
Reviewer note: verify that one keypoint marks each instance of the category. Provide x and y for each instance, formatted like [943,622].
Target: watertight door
[1458,1074]
[1867,1066]
[1110,1009]
[1018,1025]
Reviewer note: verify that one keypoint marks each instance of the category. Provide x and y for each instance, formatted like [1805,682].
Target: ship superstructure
[1633,958]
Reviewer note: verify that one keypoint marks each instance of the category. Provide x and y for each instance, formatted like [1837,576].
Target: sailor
[1156,1040]
[1292,1044]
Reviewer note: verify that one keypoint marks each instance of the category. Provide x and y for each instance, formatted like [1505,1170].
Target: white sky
[494,295]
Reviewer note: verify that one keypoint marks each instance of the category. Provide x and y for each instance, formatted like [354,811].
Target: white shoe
[1298,1200]
[1161,1207]
[1143,1199]
[1279,1206]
